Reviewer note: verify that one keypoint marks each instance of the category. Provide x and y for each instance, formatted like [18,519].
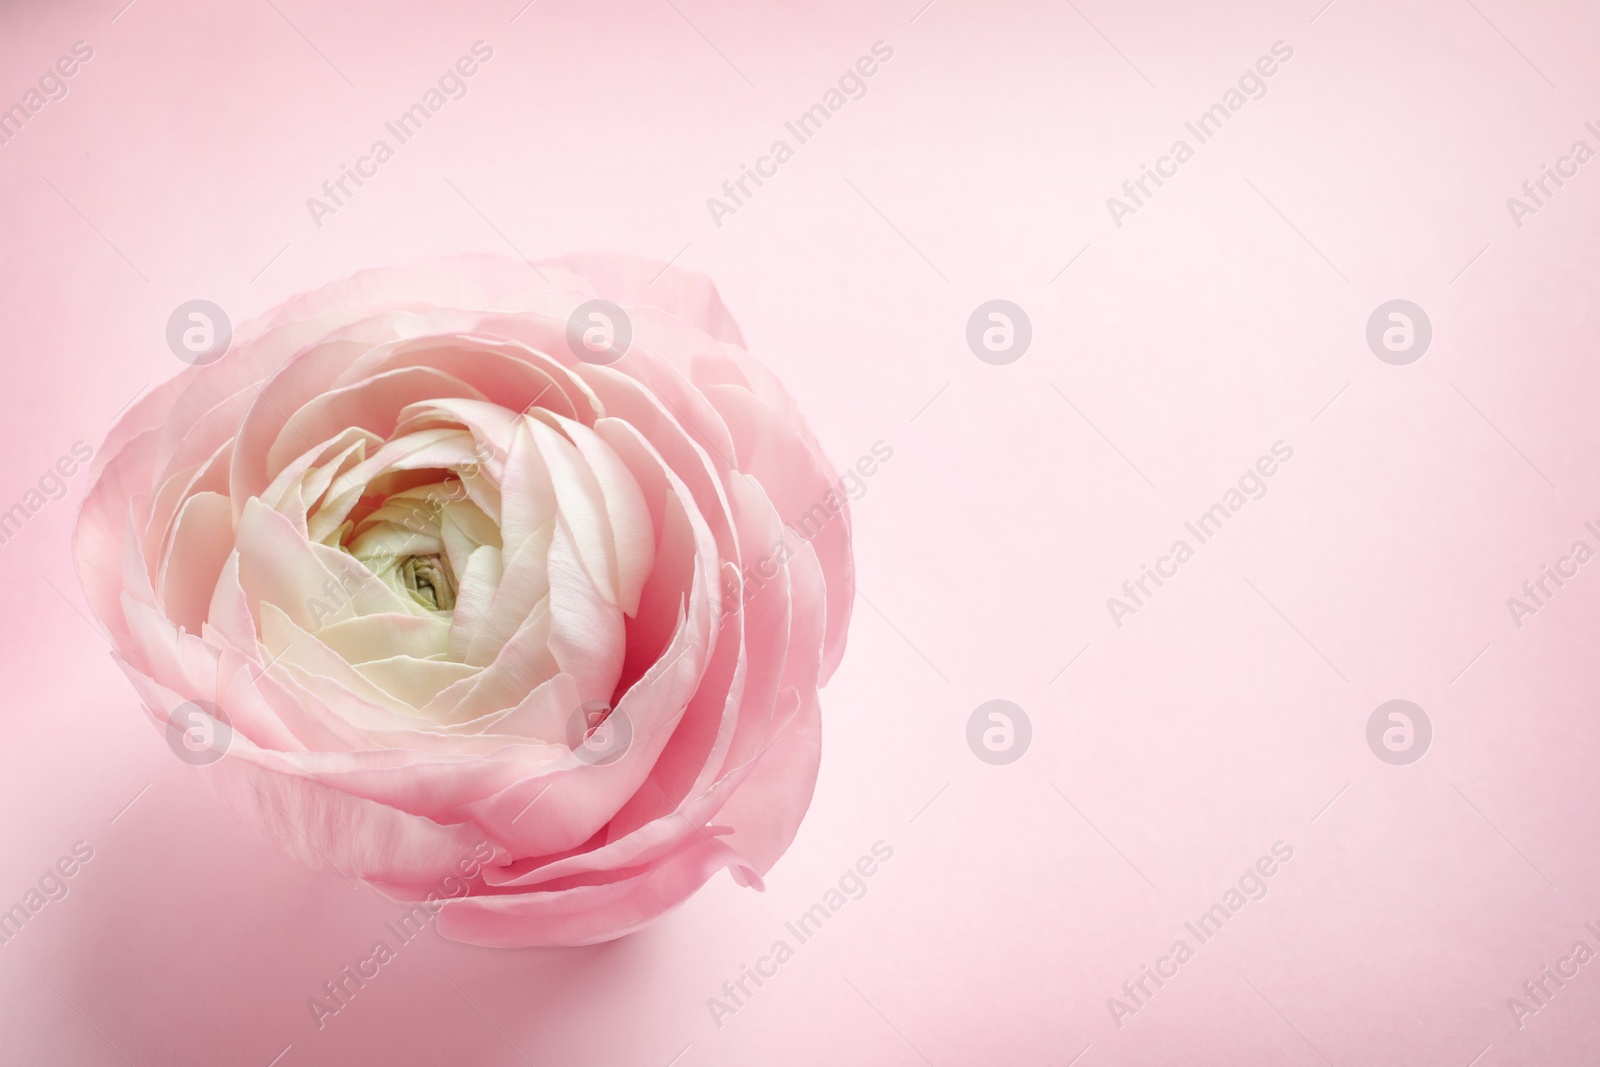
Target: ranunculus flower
[458,576]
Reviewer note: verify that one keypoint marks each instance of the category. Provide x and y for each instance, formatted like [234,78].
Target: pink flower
[449,576]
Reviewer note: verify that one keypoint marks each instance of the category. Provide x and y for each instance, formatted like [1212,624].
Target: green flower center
[430,581]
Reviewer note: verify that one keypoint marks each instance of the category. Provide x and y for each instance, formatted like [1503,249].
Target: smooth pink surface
[1226,315]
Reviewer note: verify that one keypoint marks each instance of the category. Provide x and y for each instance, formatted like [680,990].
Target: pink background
[1222,317]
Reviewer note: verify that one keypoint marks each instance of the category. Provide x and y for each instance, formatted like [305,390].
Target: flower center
[430,581]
